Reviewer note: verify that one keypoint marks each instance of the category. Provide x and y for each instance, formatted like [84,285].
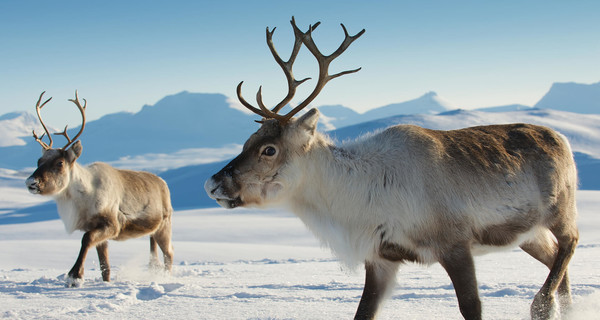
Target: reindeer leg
[102,250]
[154,263]
[542,306]
[459,265]
[544,249]
[379,280]
[163,238]
[104,231]
[75,275]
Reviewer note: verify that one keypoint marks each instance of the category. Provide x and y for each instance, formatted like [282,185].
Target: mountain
[179,121]
[338,116]
[573,97]
[429,103]
[186,121]
[15,128]
[510,107]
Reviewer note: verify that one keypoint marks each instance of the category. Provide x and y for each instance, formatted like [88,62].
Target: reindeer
[104,202]
[410,194]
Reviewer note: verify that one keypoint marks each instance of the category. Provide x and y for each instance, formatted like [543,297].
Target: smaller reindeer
[104,202]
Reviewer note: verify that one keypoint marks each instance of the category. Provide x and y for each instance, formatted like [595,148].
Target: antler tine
[324,62]
[246,104]
[64,134]
[39,107]
[268,113]
[324,76]
[82,111]
[287,66]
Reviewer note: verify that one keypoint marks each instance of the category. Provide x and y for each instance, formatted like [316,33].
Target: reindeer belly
[139,227]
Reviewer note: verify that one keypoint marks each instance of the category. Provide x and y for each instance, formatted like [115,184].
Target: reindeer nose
[210,187]
[32,185]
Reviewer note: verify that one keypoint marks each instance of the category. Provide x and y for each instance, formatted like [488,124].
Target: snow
[255,264]
[15,128]
[252,264]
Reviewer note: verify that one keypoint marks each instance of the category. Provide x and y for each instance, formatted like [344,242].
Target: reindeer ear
[309,120]
[74,151]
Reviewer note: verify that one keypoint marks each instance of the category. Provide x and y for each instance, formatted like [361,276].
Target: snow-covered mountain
[574,97]
[429,103]
[339,116]
[510,107]
[15,128]
[181,121]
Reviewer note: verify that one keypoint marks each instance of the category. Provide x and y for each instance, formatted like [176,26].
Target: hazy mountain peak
[573,97]
[16,125]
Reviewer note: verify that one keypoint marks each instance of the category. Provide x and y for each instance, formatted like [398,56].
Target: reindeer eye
[269,151]
[59,164]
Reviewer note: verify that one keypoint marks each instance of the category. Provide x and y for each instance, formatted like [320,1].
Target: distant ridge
[429,103]
[188,120]
[16,127]
[573,97]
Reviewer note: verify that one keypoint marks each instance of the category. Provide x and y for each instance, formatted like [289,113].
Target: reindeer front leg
[75,276]
[94,237]
[379,280]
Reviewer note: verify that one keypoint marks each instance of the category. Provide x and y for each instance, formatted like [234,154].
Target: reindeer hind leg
[567,237]
[163,239]
[154,263]
[544,249]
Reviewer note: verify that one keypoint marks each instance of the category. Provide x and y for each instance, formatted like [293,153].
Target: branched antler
[82,111]
[39,107]
[286,66]
[46,146]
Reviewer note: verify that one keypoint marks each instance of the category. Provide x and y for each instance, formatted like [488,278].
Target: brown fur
[415,194]
[107,204]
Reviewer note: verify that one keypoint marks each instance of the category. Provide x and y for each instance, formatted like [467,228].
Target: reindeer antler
[39,107]
[286,66]
[82,111]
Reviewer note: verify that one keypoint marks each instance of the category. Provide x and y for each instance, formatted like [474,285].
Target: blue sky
[121,55]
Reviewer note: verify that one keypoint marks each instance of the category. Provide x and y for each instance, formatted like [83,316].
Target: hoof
[544,308]
[73,282]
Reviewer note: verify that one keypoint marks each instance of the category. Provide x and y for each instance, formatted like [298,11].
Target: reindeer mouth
[230,203]
[34,190]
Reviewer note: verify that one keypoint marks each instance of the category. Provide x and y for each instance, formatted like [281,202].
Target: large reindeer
[411,194]
[104,202]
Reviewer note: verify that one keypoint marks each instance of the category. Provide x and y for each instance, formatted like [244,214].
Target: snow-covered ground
[252,264]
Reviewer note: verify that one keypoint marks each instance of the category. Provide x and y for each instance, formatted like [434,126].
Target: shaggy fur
[414,194]
[105,203]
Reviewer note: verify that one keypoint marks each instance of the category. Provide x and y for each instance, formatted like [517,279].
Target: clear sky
[121,55]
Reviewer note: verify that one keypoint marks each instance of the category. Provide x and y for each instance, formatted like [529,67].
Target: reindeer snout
[32,185]
[210,186]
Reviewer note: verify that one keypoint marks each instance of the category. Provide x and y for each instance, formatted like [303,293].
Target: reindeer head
[263,173]
[53,171]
